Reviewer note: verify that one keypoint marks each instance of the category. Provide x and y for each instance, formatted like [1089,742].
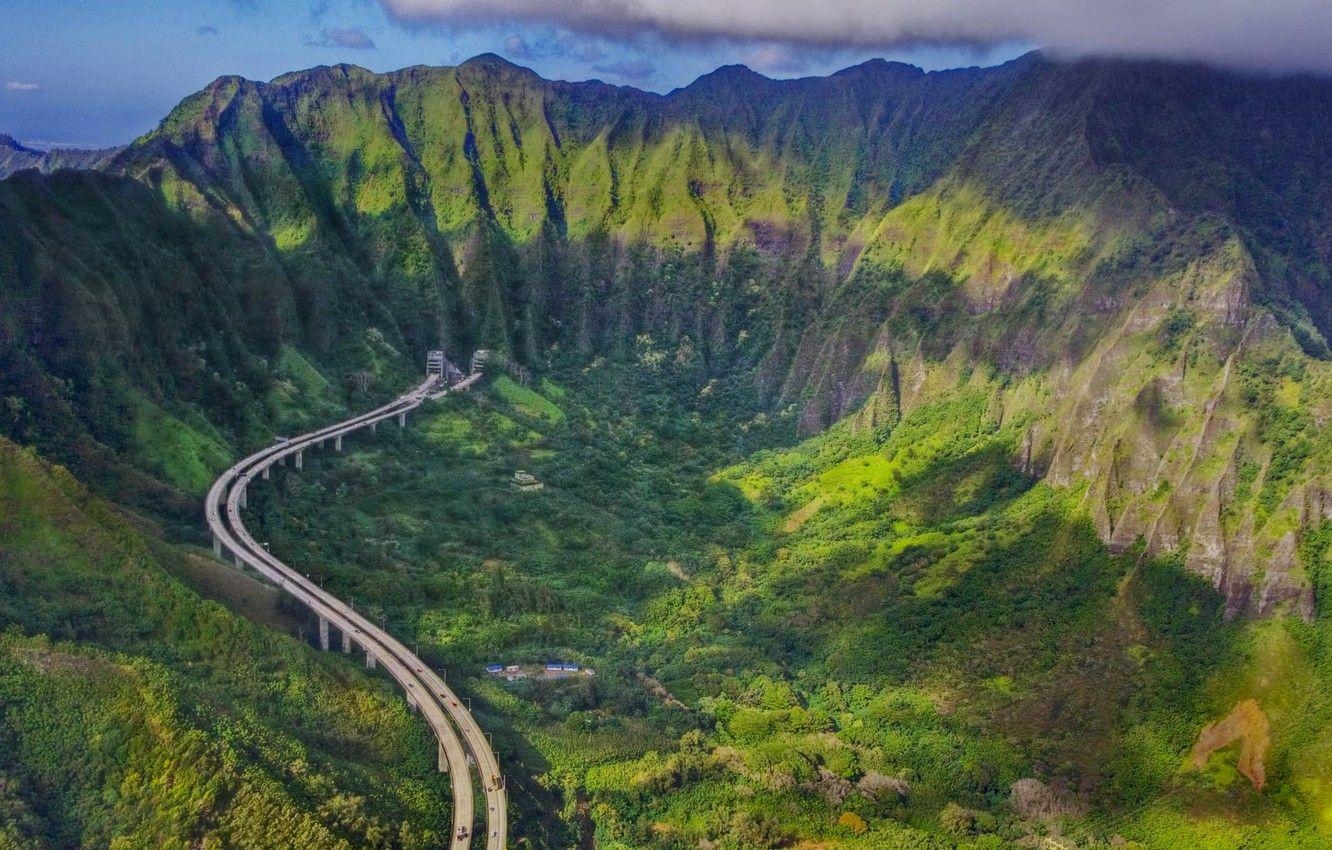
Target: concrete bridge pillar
[217,547]
[374,427]
[300,456]
[411,702]
[402,420]
[265,473]
[282,460]
[235,556]
[337,443]
[323,634]
[346,643]
[443,759]
[369,660]
[243,503]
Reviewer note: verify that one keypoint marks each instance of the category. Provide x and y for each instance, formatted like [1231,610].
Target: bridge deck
[457,731]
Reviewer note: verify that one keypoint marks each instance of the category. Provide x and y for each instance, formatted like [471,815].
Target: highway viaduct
[464,751]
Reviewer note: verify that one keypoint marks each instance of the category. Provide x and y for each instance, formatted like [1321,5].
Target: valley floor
[877,637]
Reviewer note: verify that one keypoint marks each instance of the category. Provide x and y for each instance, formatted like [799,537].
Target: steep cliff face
[533,210]
[1133,256]
[1149,331]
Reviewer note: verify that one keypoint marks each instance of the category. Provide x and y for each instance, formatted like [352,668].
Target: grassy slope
[930,560]
[142,350]
[134,713]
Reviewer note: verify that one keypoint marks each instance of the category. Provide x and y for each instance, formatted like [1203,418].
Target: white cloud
[1278,34]
[15,85]
[635,71]
[352,38]
[552,44]
[776,58]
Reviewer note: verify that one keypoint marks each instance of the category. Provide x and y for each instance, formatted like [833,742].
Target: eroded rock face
[1315,501]
[1248,724]
[1282,589]
[1176,487]
[1162,436]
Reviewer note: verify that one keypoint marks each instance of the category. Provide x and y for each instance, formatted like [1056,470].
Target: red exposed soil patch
[1248,724]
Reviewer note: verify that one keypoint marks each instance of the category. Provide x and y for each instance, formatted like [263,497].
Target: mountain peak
[737,70]
[225,81]
[489,58]
[493,62]
[494,66]
[8,142]
[726,77]
[879,65]
[733,73]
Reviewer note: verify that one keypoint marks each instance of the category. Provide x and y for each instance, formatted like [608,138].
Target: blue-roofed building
[494,668]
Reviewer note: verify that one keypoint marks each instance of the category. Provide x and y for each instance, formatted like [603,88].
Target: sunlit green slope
[133,713]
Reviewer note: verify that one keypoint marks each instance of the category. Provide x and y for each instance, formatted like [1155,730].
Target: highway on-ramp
[460,737]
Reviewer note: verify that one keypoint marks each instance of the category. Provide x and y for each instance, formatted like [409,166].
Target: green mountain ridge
[15,156]
[932,320]
[1047,209]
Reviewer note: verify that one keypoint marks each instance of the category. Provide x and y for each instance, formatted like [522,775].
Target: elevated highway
[463,746]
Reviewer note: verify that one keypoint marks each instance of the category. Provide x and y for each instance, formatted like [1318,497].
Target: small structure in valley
[549,670]
[526,482]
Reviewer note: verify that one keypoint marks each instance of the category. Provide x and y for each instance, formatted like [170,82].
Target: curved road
[460,737]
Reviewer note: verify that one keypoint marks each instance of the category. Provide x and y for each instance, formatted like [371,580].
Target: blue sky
[101,73]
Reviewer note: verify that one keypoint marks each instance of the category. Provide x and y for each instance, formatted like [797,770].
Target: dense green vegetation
[865,640]
[133,713]
[927,458]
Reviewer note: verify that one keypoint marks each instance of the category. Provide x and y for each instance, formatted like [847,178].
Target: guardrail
[460,737]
